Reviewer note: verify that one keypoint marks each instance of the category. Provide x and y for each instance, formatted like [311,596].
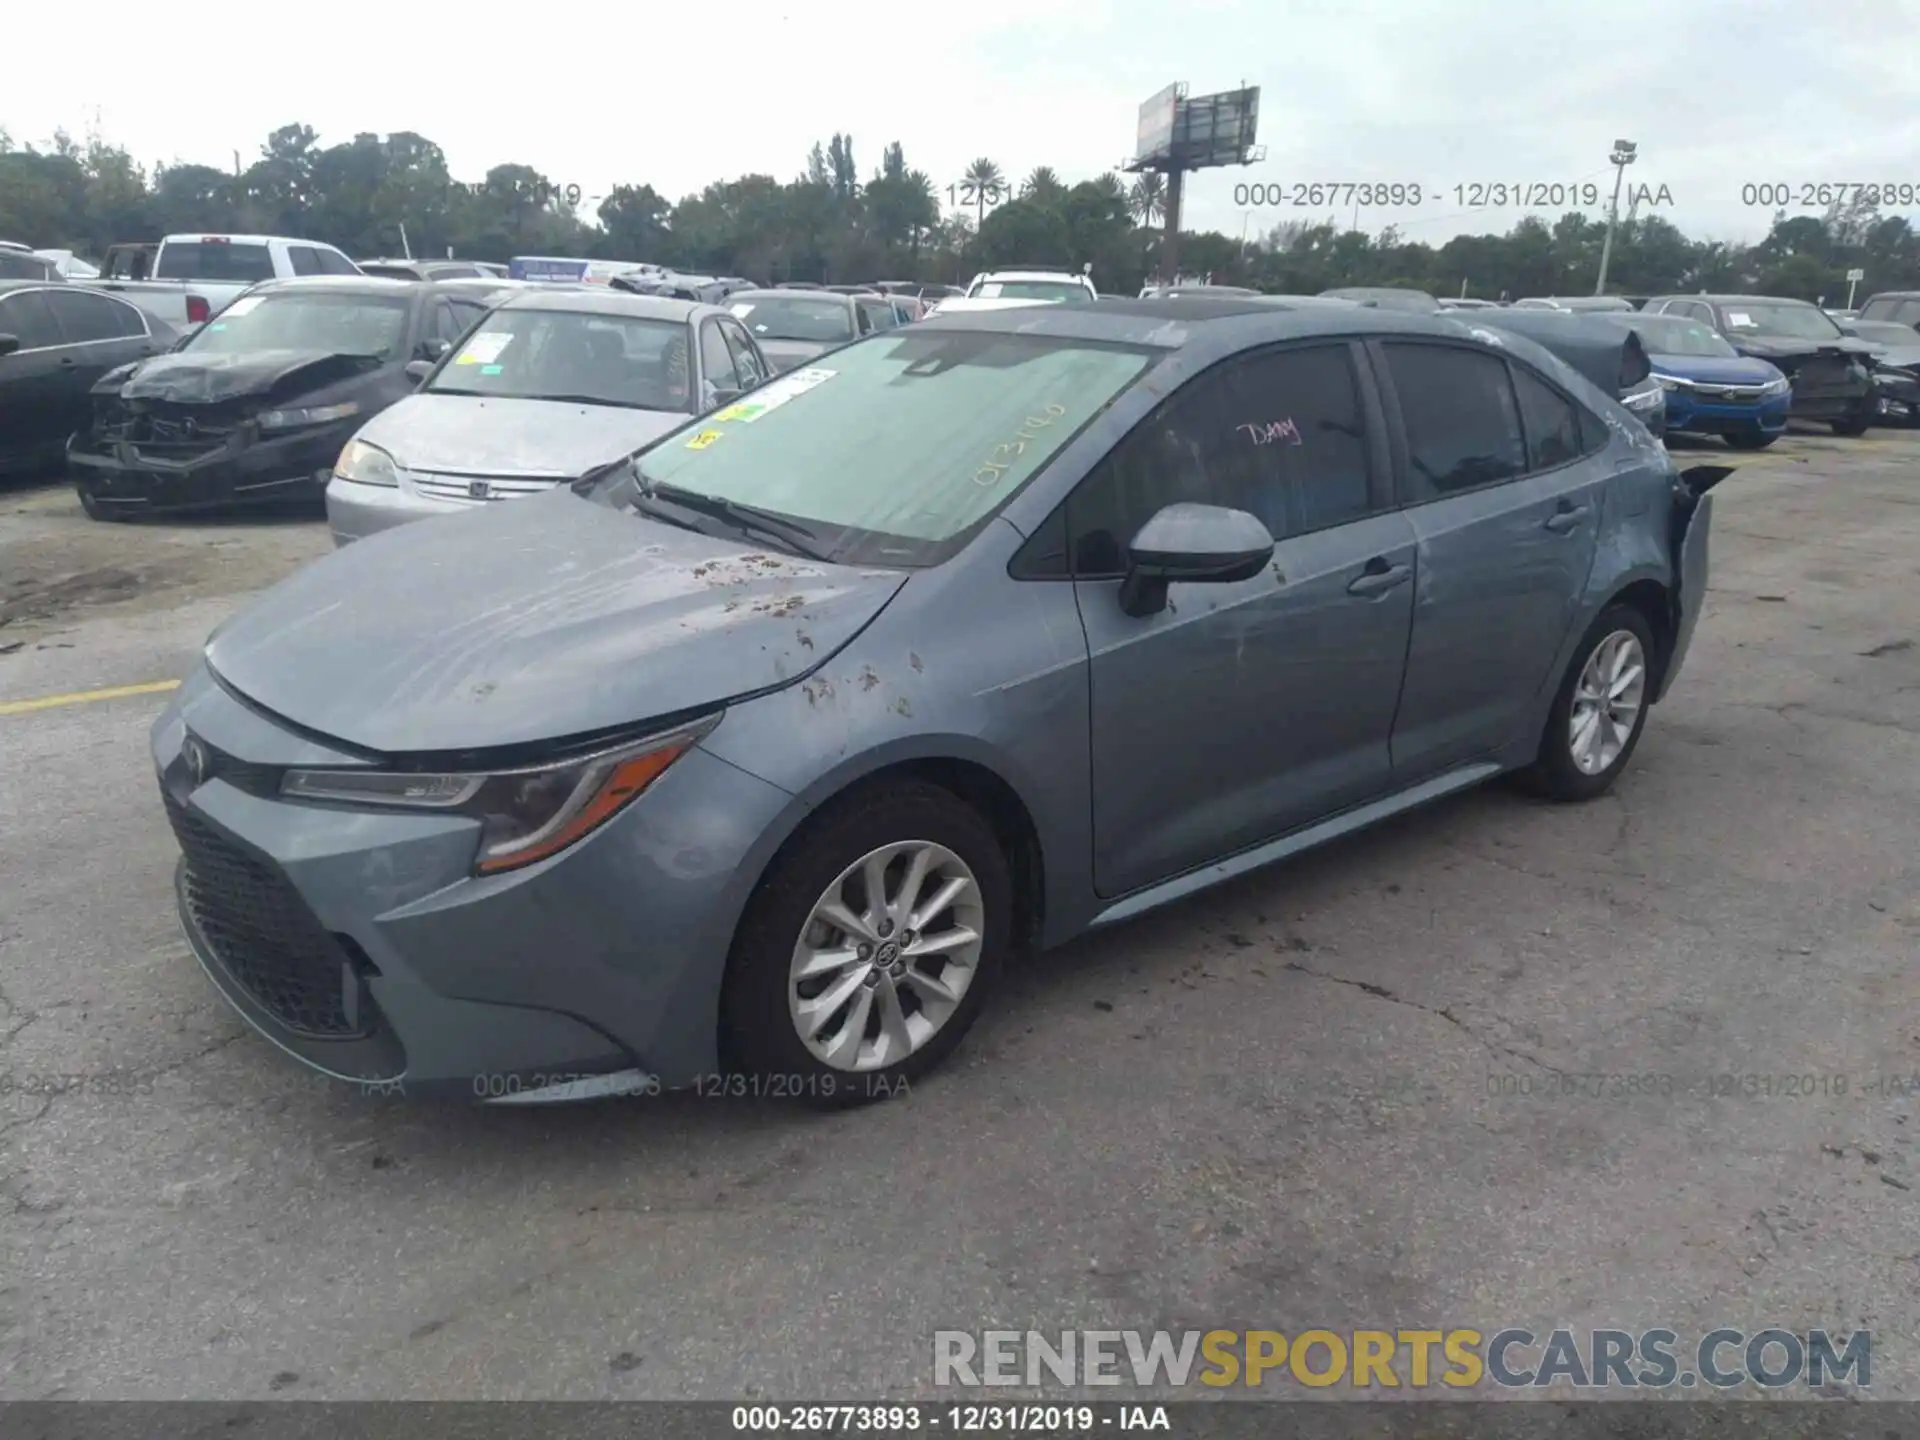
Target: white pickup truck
[188,279]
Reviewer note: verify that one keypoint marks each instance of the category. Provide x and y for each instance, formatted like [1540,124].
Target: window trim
[1381,496]
[740,343]
[711,325]
[1390,394]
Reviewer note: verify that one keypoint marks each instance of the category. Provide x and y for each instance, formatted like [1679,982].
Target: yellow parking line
[83,697]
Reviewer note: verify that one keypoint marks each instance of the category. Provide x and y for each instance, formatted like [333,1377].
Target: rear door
[100,333]
[33,407]
[1503,490]
[1243,711]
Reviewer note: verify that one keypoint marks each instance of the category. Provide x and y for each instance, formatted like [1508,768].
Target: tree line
[829,225]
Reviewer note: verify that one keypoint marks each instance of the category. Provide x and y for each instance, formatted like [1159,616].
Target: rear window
[15,266]
[213,260]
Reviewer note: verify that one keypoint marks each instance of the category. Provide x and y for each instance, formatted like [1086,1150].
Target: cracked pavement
[1374,1087]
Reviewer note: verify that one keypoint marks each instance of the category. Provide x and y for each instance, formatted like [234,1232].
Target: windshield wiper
[585,400]
[789,533]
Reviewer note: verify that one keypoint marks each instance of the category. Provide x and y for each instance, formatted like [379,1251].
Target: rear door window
[85,318]
[26,316]
[1461,419]
[220,260]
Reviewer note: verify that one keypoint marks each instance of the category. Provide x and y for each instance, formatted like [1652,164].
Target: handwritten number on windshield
[1271,431]
[1005,454]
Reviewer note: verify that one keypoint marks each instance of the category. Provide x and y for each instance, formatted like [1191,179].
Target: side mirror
[1847,328]
[418,370]
[1193,545]
[9,344]
[433,349]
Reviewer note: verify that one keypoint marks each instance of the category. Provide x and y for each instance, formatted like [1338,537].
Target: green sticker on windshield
[773,396]
[491,369]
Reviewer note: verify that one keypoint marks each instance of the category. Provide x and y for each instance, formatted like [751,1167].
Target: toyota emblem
[197,760]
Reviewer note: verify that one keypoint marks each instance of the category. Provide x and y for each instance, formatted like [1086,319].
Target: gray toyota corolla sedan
[765,751]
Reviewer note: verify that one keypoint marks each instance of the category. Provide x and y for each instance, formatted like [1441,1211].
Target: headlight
[1777,387]
[312,415]
[366,464]
[1646,397]
[525,815]
[1670,382]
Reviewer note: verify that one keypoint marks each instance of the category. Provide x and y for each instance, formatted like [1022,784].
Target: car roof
[1176,321]
[1739,299]
[596,301]
[25,284]
[780,292]
[1891,295]
[1029,274]
[363,284]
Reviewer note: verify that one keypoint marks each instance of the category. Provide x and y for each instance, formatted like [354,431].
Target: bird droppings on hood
[747,569]
[902,706]
[788,606]
[805,639]
[483,689]
[867,678]
[915,661]
[819,688]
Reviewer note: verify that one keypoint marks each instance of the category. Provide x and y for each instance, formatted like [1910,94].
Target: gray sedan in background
[793,326]
[767,750]
[550,385]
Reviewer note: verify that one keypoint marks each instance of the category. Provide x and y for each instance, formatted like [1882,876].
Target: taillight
[197,310]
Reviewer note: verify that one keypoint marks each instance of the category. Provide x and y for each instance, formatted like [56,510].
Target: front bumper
[361,943]
[1690,412]
[356,510]
[284,469]
[1898,397]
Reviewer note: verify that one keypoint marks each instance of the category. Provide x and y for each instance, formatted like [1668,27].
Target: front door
[33,382]
[1505,501]
[1242,711]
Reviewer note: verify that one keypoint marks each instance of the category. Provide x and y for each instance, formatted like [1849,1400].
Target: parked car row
[765,744]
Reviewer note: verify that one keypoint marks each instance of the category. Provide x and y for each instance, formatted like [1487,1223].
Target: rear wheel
[870,948]
[1600,710]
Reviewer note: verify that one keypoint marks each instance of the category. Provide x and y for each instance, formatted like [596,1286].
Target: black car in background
[255,407]
[56,341]
[1901,307]
[1831,371]
[1896,372]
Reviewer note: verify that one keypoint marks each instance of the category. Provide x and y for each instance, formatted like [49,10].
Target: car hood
[189,379]
[546,439]
[547,619]
[785,354]
[1901,357]
[1769,347]
[1715,369]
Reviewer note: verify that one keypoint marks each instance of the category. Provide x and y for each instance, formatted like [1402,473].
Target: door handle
[66,362]
[1566,517]
[1379,577]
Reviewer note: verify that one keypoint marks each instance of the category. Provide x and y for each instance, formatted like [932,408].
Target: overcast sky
[1441,93]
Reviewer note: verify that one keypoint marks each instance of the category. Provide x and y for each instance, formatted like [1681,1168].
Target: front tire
[1600,710]
[870,948]
[1854,425]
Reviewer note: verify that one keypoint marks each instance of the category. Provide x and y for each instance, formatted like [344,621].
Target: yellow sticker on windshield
[703,439]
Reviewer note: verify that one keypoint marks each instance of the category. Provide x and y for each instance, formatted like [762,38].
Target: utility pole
[1623,155]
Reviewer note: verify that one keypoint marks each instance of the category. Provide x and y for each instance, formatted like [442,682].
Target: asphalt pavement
[1371,1088]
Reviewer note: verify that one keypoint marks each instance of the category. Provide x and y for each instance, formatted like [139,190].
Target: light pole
[1623,156]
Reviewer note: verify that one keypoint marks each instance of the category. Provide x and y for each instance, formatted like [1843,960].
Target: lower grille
[263,934]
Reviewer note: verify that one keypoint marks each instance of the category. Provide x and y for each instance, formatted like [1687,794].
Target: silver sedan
[551,385]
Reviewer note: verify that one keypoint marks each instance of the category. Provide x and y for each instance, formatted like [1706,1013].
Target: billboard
[1157,120]
[1219,129]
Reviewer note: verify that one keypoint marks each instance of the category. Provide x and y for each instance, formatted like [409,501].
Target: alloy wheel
[1607,700]
[886,956]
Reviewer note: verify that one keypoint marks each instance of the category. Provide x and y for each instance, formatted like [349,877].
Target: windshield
[894,450]
[338,323]
[1887,332]
[1068,292]
[1675,335]
[794,317]
[1774,317]
[213,260]
[576,355]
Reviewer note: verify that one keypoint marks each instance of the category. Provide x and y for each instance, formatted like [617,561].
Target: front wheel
[870,948]
[1853,425]
[1600,709]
